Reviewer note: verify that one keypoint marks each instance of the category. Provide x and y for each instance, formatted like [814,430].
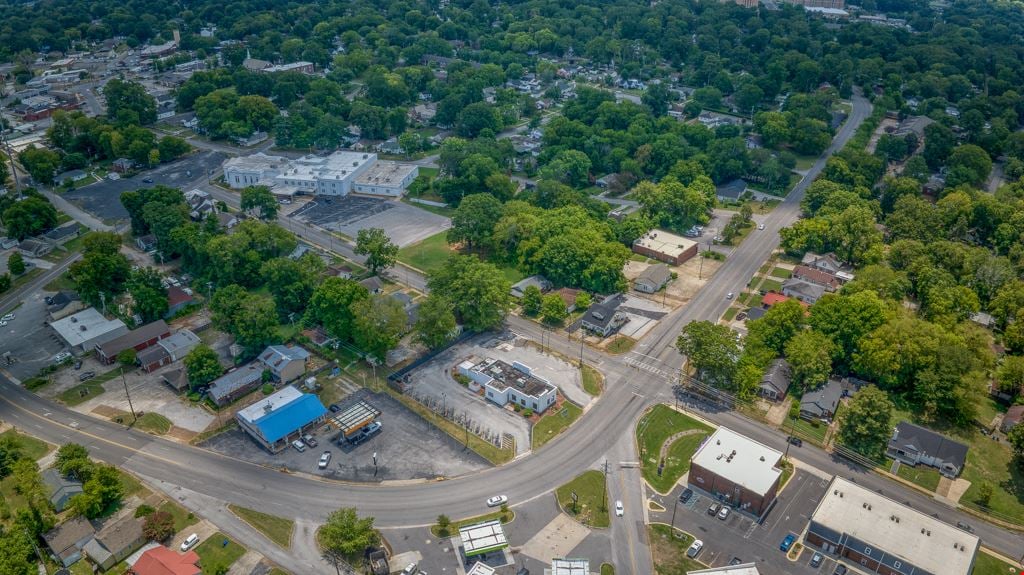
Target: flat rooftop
[664,242]
[259,161]
[385,173]
[740,459]
[569,567]
[866,519]
[257,410]
[505,375]
[482,537]
[85,325]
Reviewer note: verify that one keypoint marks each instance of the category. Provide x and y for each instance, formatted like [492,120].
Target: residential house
[122,165]
[775,381]
[568,296]
[34,247]
[731,191]
[137,339]
[802,290]
[227,220]
[983,319]
[177,300]
[146,243]
[541,282]
[771,298]
[913,125]
[913,444]
[340,270]
[66,540]
[318,337]
[115,542]
[236,383]
[823,402]
[754,313]
[286,363]
[276,420]
[826,262]
[815,276]
[1012,418]
[63,304]
[63,234]
[70,175]
[162,561]
[60,489]
[652,279]
[373,284]
[604,318]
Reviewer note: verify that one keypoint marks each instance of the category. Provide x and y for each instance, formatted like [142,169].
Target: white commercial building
[742,472]
[245,171]
[504,383]
[482,538]
[338,174]
[386,178]
[568,567]
[88,328]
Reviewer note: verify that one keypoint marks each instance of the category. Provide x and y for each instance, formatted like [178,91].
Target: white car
[61,356]
[190,542]
[619,510]
[8,317]
[760,226]
[497,500]
[694,549]
[324,460]
[298,445]
[2,323]
[728,295]
[723,514]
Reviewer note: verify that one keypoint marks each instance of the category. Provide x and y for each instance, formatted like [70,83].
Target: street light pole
[128,395]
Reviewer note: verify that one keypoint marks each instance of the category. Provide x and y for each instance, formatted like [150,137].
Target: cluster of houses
[43,244]
[815,276]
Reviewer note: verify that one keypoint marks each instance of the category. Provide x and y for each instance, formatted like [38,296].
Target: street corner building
[737,470]
[282,417]
[880,535]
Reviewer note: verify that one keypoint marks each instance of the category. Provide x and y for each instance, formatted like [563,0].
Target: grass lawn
[927,477]
[781,273]
[993,463]
[805,430]
[591,509]
[669,550]
[429,173]
[621,344]
[511,274]
[654,428]
[730,314]
[25,278]
[182,517]
[61,282]
[133,486]
[81,393]
[454,527]
[771,285]
[554,422]
[607,569]
[593,381]
[427,255]
[488,451]
[154,423]
[30,446]
[213,552]
[804,163]
[787,472]
[81,567]
[277,529]
[985,564]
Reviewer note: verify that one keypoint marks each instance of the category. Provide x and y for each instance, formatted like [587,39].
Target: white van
[190,542]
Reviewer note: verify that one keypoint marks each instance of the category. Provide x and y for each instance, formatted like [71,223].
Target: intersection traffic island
[485,543]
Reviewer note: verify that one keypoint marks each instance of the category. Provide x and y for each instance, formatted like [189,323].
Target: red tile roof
[771,298]
[163,561]
[816,276]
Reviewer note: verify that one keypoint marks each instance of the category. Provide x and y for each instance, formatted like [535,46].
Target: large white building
[515,382]
[338,174]
[88,328]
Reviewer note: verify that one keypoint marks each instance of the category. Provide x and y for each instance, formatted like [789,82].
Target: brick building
[737,470]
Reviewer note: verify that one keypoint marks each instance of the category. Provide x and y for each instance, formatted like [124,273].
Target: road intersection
[603,433]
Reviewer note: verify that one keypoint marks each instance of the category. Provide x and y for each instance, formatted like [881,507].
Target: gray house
[60,489]
[604,318]
[236,383]
[652,279]
[66,540]
[775,381]
[913,444]
[115,542]
[519,288]
[823,402]
[803,291]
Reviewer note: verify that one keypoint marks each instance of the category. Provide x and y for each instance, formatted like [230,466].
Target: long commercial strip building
[883,536]
[338,174]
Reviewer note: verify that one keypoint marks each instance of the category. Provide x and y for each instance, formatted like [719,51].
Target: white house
[515,383]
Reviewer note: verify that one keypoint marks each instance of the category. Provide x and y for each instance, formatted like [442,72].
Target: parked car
[840,570]
[713,509]
[695,548]
[309,440]
[686,495]
[365,433]
[189,542]
[497,500]
[78,364]
[795,441]
[62,356]
[86,375]
[298,445]
[325,458]
[787,542]
[147,180]
[728,295]
[735,561]
[816,560]
[619,510]
[723,513]
[335,408]
[760,226]
[7,317]
[410,569]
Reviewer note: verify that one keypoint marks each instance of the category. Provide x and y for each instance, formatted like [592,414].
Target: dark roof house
[138,339]
[67,540]
[823,402]
[1012,418]
[652,279]
[802,290]
[775,381]
[604,318]
[732,190]
[236,383]
[913,444]
[117,540]
[60,489]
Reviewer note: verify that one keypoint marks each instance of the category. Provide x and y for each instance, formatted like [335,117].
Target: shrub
[158,526]
[443,523]
[462,379]
[35,383]
[144,510]
[527,412]
[268,389]
[794,410]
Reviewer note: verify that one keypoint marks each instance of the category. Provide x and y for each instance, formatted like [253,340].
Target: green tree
[102,269]
[435,325]
[17,556]
[374,243]
[202,366]
[553,309]
[158,526]
[474,220]
[259,198]
[867,422]
[5,282]
[809,354]
[149,296]
[331,306]
[968,164]
[582,301]
[40,163]
[127,358]
[532,300]
[292,282]
[100,494]
[478,290]
[129,103]
[778,325]
[10,452]
[348,535]
[443,523]
[712,350]
[172,148]
[29,217]
[1016,439]
[657,98]
[16,264]
[1010,375]
[379,323]
[73,461]
[985,492]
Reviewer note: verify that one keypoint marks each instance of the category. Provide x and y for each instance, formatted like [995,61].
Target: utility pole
[128,395]
[103,301]
[604,493]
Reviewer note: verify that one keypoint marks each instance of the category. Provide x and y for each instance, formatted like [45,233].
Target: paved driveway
[404,224]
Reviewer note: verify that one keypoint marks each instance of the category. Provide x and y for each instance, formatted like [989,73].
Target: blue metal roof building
[278,419]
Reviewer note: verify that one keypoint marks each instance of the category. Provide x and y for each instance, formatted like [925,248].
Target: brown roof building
[137,339]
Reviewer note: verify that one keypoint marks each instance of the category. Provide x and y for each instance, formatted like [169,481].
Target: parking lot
[405,224]
[741,536]
[407,447]
[31,343]
[103,199]
[433,382]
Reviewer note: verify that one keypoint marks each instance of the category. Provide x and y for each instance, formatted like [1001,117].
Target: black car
[965,526]
[87,375]
[795,441]
[685,495]
[335,408]
[147,180]
[735,561]
[840,570]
